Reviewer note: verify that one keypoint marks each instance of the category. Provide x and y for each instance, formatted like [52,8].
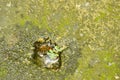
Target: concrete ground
[90,28]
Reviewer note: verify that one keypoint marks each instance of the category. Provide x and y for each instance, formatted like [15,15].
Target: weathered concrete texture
[16,45]
[90,29]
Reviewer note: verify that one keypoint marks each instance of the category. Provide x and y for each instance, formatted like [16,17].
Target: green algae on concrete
[90,29]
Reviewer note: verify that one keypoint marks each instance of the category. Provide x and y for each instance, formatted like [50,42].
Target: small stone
[117,77]
[9,4]
[81,34]
[26,61]
[110,63]
[87,4]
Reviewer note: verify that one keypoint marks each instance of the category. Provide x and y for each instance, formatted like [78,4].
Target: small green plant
[53,54]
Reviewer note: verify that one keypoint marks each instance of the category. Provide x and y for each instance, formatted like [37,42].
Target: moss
[90,29]
[3,70]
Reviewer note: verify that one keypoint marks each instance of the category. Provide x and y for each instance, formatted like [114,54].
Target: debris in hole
[48,53]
